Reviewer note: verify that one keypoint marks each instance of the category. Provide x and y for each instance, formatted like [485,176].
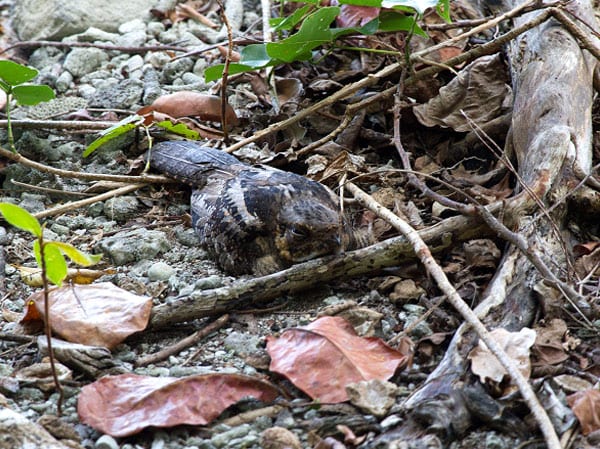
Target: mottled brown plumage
[254,218]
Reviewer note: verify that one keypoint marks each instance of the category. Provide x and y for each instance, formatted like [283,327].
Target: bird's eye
[297,232]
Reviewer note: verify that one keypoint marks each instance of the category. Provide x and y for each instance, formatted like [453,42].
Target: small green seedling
[50,257]
[13,79]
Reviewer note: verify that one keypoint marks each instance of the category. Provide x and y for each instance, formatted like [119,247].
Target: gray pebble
[84,60]
[106,442]
[222,439]
[121,208]
[160,271]
[136,245]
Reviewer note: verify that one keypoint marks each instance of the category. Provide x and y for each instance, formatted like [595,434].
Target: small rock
[242,344]
[81,61]
[93,34]
[121,208]
[160,271]
[375,396]
[175,69]
[136,245]
[106,442]
[223,438]
[279,438]
[118,95]
[406,290]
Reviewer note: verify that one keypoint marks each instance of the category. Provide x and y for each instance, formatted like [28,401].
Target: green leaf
[32,94]
[313,32]
[77,256]
[290,22]
[371,3]
[443,10]
[56,265]
[20,218]
[368,28]
[255,55]
[392,21]
[15,74]
[125,125]
[216,72]
[180,129]
[418,5]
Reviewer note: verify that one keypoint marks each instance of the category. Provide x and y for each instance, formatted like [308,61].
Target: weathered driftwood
[551,138]
[391,252]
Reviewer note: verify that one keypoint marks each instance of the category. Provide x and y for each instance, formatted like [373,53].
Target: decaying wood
[391,252]
[550,137]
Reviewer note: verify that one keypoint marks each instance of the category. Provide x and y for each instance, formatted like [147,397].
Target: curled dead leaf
[516,345]
[191,104]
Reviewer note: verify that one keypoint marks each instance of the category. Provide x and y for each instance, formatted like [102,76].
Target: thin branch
[119,48]
[88,201]
[77,125]
[185,343]
[147,179]
[224,78]
[435,271]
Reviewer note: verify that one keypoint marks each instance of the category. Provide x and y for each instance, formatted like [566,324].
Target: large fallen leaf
[191,104]
[126,404]
[586,406]
[516,345]
[479,92]
[325,356]
[98,314]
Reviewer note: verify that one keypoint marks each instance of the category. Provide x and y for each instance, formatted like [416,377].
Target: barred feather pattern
[254,218]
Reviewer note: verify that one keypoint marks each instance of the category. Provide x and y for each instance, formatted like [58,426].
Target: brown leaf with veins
[325,356]
[98,314]
[126,404]
[586,406]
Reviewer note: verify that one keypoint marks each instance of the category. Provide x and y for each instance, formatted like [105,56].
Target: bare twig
[86,202]
[225,76]
[147,179]
[185,343]
[76,125]
[120,48]
[435,271]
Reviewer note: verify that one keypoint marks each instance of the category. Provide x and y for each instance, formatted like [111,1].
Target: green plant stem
[48,328]
[11,139]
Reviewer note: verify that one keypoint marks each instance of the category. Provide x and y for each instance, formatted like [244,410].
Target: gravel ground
[153,252]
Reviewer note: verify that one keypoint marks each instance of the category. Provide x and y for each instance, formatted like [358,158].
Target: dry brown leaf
[98,314]
[549,344]
[325,356]
[480,91]
[586,406]
[191,104]
[126,404]
[516,345]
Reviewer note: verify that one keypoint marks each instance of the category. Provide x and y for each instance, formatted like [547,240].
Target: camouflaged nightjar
[254,218]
